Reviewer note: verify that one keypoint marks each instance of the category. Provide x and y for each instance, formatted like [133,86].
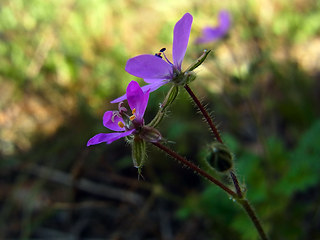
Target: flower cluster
[156,70]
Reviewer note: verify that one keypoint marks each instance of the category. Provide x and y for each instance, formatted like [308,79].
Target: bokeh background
[62,62]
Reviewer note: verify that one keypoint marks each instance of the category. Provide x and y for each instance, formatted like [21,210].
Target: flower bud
[150,134]
[219,157]
[138,152]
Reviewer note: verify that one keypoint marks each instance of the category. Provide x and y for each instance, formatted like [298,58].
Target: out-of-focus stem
[251,213]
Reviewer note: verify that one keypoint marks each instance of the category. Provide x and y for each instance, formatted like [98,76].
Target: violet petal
[108,137]
[154,86]
[147,80]
[181,34]
[210,34]
[224,21]
[110,121]
[149,66]
[137,99]
[119,99]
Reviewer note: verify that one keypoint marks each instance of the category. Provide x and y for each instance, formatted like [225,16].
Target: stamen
[158,55]
[120,124]
[121,108]
[114,114]
[166,57]
[133,117]
[162,52]
[133,111]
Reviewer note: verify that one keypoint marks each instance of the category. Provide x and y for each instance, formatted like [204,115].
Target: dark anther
[162,49]
[158,55]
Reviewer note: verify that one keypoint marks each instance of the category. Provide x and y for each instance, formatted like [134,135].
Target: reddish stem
[236,184]
[239,195]
[204,113]
[195,168]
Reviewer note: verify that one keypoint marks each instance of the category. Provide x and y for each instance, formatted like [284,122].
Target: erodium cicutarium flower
[127,123]
[211,34]
[157,70]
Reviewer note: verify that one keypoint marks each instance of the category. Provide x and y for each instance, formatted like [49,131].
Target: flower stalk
[204,113]
[170,97]
[196,169]
[240,198]
[251,213]
[237,196]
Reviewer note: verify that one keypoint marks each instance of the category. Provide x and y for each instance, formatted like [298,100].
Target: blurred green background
[62,62]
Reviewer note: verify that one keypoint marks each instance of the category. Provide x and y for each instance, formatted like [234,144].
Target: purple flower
[158,71]
[210,34]
[120,121]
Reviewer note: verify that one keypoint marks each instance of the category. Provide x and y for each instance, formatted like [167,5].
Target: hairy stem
[236,184]
[239,194]
[251,213]
[241,200]
[204,113]
[195,168]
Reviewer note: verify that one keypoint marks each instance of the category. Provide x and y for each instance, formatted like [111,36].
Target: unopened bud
[150,134]
[138,152]
[219,157]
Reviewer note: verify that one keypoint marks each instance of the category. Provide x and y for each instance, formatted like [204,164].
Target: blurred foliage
[61,62]
[293,173]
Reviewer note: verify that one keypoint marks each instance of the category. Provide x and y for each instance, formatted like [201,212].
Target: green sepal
[199,61]
[138,152]
[189,77]
[150,134]
[184,78]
